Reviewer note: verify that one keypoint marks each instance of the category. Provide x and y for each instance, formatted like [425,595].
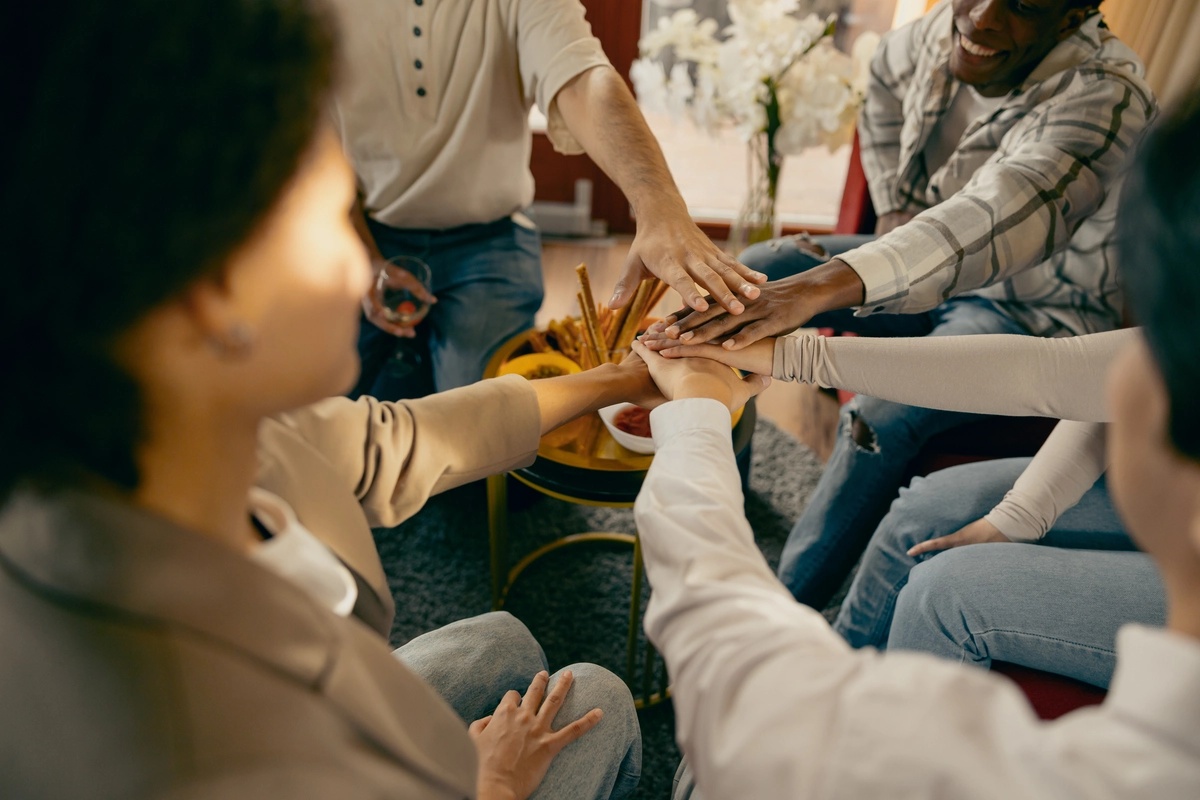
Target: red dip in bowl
[634,420]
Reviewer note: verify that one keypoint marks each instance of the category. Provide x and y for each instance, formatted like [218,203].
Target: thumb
[750,386]
[757,383]
[631,278]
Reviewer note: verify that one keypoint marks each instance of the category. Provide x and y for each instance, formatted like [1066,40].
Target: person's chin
[349,375]
[973,69]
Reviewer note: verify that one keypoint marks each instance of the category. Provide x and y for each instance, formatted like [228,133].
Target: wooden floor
[803,411]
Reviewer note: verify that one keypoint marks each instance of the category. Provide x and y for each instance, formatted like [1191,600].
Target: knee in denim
[507,636]
[804,243]
[861,434]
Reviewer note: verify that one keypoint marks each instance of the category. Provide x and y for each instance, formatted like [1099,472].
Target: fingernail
[687,337]
[613,300]
[760,276]
[727,344]
[599,713]
[672,331]
[736,307]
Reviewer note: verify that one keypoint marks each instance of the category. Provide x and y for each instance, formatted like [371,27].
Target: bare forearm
[565,398]
[602,114]
[834,285]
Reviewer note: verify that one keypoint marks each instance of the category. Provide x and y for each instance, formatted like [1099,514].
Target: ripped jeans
[876,440]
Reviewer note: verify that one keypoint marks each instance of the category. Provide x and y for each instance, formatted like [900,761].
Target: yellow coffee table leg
[647,697]
[635,605]
[497,499]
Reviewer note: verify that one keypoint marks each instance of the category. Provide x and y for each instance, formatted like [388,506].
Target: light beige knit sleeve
[1065,467]
[986,374]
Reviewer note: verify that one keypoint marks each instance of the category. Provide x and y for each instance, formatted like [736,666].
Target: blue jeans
[860,481]
[1077,640]
[472,663]
[488,281]
[1049,608]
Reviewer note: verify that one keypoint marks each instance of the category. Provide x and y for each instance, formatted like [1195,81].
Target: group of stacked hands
[994,137]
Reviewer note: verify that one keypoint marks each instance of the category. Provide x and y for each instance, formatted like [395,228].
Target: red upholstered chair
[994,437]
[857,213]
[1050,695]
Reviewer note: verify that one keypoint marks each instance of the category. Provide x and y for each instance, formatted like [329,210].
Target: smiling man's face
[997,43]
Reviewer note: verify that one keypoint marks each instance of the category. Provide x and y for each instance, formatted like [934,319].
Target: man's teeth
[976,49]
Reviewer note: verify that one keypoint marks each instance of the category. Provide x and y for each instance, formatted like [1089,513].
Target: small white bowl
[638,444]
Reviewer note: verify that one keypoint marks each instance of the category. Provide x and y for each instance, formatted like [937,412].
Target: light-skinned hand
[398,278]
[671,248]
[649,395]
[679,378]
[517,742]
[978,532]
[758,357]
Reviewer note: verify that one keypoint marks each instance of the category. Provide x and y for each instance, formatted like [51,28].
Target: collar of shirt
[294,553]
[941,88]
[1157,682]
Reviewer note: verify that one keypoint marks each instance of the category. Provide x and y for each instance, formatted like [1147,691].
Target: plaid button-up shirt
[1023,212]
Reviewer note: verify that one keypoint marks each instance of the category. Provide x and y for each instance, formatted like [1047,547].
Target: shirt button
[416,31]
[418,64]
[421,92]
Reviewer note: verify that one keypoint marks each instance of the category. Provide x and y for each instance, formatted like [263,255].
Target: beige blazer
[140,659]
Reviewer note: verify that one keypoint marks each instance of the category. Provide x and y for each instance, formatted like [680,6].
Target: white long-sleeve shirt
[771,703]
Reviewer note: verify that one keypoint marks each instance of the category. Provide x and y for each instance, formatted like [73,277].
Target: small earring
[234,343]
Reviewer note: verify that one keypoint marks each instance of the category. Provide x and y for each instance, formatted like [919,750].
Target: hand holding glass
[400,295]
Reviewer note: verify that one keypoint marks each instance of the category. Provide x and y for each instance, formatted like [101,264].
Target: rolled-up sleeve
[555,44]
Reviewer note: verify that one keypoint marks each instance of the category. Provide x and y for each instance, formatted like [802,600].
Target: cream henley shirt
[433,109]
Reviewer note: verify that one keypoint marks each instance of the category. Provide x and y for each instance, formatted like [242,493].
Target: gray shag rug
[575,601]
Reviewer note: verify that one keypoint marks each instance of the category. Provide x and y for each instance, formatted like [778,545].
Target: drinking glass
[397,286]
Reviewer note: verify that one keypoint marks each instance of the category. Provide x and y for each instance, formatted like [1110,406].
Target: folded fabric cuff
[680,417]
[885,281]
[1015,523]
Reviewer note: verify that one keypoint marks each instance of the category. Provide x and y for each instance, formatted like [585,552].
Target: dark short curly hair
[1159,247]
[143,141]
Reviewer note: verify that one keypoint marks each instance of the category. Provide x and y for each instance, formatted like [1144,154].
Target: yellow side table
[581,463]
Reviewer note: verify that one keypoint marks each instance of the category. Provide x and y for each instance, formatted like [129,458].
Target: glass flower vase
[758,221]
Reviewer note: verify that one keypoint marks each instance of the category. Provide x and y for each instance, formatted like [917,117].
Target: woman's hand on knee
[517,742]
[978,532]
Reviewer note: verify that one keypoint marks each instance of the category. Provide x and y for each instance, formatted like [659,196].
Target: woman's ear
[211,307]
